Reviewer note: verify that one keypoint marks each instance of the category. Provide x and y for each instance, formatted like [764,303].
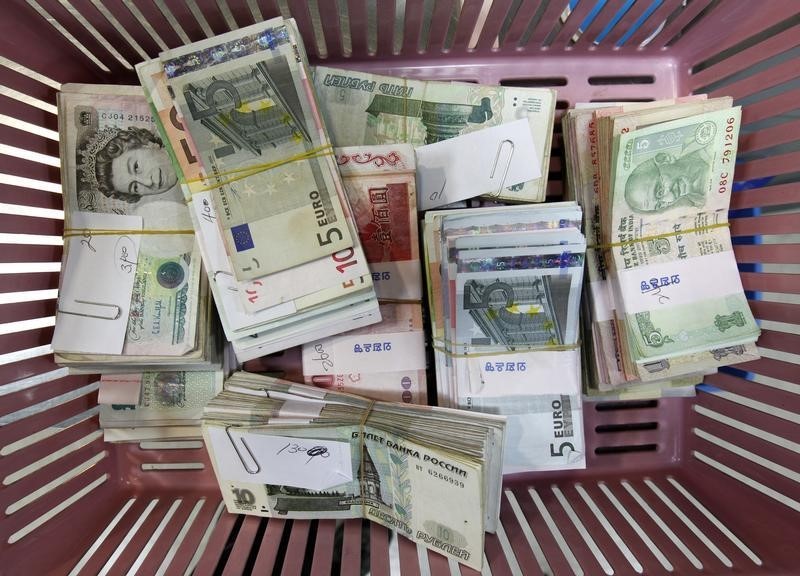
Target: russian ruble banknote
[365,109]
[431,474]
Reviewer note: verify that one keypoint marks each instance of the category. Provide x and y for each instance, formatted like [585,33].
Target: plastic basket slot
[57,509]
[30,381]
[49,431]
[689,523]
[53,484]
[43,406]
[708,515]
[615,537]
[748,481]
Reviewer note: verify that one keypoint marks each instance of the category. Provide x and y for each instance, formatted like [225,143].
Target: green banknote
[678,283]
[165,399]
[362,108]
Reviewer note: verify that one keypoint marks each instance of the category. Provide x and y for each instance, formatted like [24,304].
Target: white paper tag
[525,374]
[216,262]
[679,282]
[94,299]
[481,162]
[394,352]
[281,460]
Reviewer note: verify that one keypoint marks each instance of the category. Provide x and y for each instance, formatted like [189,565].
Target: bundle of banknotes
[155,405]
[131,295]
[288,450]
[384,361]
[239,117]
[665,298]
[504,285]
[362,108]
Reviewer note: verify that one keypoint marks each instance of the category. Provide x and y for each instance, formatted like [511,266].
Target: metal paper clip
[98,316]
[239,454]
[214,278]
[508,166]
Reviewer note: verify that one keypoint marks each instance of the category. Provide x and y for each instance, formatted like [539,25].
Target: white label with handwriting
[363,353]
[94,298]
[281,460]
[481,162]
[663,285]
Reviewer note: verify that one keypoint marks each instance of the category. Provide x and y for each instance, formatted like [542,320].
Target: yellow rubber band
[220,179]
[657,236]
[69,232]
[553,348]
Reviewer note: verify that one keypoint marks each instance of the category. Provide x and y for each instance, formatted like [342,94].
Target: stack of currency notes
[504,287]
[665,298]
[361,108]
[384,361]
[293,451]
[256,166]
[132,296]
[155,405]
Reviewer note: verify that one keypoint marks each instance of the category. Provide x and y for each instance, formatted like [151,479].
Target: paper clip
[99,317]
[214,278]
[239,454]
[508,165]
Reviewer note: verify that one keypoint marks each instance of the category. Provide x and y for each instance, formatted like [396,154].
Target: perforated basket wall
[687,486]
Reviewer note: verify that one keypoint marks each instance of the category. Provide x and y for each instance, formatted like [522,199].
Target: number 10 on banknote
[265,155]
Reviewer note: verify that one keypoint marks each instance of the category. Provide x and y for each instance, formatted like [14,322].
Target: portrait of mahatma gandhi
[666,181]
[126,164]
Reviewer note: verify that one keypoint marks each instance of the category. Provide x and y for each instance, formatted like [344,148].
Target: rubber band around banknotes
[71,232]
[657,236]
[362,435]
[522,350]
[241,173]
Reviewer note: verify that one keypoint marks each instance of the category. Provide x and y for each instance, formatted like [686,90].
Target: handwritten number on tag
[252,295]
[313,452]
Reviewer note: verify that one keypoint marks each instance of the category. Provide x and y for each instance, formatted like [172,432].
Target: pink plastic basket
[685,486]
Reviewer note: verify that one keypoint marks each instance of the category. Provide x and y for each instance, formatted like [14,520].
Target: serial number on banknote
[446,478]
[312,452]
[127,117]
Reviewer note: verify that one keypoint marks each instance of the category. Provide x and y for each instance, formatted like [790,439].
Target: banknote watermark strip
[657,236]
[242,173]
